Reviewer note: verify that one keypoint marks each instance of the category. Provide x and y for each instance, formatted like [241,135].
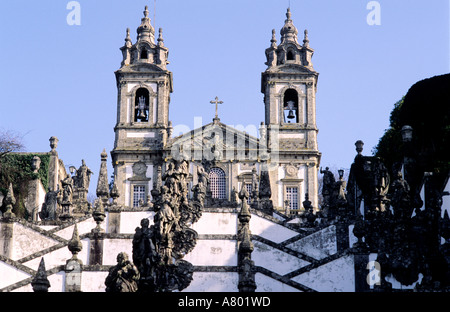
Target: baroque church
[214,209]
[287,141]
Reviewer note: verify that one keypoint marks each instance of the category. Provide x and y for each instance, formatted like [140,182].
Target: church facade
[248,205]
[286,147]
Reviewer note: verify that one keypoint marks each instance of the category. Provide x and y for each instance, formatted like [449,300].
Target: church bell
[291,114]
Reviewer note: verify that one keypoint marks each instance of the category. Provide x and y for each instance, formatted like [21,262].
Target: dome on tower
[289,31]
[145,31]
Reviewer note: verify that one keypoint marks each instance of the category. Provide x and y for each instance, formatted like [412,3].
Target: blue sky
[58,79]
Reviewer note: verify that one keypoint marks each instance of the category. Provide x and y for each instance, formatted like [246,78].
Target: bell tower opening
[141,105]
[144,54]
[290,56]
[290,106]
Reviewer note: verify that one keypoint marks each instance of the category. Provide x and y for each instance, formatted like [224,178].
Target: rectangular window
[138,194]
[292,197]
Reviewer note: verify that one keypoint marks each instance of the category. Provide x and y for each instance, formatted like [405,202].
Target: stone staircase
[286,258]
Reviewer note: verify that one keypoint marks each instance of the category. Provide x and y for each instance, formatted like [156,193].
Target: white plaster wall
[83,227]
[27,241]
[56,284]
[41,195]
[213,252]
[270,230]
[213,282]
[129,220]
[112,247]
[265,283]
[318,245]
[60,257]
[93,281]
[10,275]
[216,223]
[128,174]
[335,276]
[275,260]
[281,175]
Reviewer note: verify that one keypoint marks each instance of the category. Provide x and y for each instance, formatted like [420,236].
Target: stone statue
[234,196]
[328,185]
[145,256]
[123,277]
[67,189]
[36,164]
[49,206]
[170,179]
[400,198]
[83,176]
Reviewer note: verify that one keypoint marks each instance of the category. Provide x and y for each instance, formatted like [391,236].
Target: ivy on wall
[17,169]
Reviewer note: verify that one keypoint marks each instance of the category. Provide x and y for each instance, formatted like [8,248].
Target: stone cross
[216,101]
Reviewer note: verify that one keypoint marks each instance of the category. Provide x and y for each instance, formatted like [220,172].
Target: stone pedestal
[6,238]
[73,275]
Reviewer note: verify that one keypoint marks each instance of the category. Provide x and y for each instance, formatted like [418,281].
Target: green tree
[426,109]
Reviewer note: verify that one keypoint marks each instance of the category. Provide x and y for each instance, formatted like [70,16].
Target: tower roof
[145,31]
[289,31]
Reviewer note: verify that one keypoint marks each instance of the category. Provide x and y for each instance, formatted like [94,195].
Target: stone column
[97,235]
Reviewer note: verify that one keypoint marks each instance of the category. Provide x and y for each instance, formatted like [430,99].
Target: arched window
[141,105]
[217,183]
[290,56]
[290,106]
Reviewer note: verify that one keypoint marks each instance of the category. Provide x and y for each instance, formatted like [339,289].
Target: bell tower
[289,85]
[143,95]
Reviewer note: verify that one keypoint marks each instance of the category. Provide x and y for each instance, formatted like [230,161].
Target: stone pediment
[216,139]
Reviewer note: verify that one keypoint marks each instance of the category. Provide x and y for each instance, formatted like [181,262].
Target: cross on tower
[216,101]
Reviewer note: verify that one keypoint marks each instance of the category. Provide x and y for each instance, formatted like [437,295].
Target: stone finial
[288,13]
[306,40]
[244,215]
[75,245]
[273,41]
[359,146]
[53,143]
[160,38]
[98,215]
[9,201]
[114,192]
[289,31]
[40,282]
[102,185]
[265,191]
[128,42]
[146,31]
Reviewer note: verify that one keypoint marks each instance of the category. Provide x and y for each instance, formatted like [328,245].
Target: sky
[57,77]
